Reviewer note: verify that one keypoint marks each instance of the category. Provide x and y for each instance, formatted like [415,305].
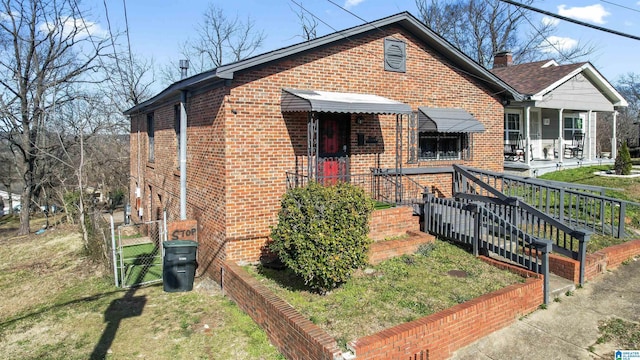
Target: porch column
[587,137]
[398,158]
[312,146]
[560,139]
[527,127]
[614,140]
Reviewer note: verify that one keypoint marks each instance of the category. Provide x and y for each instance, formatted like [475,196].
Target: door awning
[294,100]
[446,120]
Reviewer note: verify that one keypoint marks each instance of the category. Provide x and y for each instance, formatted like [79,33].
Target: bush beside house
[623,163]
[322,233]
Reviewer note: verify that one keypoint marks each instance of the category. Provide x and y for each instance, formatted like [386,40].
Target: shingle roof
[404,19]
[531,78]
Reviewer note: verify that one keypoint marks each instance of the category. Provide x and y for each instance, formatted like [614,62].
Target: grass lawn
[56,304]
[397,291]
[142,263]
[626,189]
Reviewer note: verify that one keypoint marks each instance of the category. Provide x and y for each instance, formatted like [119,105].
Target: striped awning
[294,100]
[447,120]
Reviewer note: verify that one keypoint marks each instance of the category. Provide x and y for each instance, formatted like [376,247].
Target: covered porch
[542,139]
[351,137]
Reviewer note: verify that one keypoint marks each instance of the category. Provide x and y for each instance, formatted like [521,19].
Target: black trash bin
[179,265]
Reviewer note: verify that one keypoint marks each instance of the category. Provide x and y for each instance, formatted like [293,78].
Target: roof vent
[395,55]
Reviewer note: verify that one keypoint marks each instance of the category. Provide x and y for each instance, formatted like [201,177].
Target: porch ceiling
[295,100]
[446,120]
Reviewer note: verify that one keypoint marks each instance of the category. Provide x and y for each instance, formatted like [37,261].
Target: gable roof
[536,79]
[404,19]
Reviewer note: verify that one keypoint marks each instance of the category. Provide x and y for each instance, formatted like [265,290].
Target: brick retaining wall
[295,336]
[383,250]
[596,263]
[396,221]
[439,335]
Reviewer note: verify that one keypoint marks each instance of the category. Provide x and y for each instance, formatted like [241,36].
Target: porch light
[359,119]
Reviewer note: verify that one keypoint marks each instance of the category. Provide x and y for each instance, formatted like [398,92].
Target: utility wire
[126,23]
[408,44]
[544,12]
[622,6]
[546,39]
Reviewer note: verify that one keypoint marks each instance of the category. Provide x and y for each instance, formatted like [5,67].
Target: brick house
[388,105]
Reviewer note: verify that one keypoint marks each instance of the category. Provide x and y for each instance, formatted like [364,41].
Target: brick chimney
[502,59]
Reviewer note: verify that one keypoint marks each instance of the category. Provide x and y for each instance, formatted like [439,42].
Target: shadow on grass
[285,278]
[126,307]
[43,310]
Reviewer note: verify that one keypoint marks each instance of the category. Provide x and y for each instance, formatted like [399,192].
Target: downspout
[184,68]
[183,155]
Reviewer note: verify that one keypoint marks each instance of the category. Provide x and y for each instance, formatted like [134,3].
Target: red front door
[334,148]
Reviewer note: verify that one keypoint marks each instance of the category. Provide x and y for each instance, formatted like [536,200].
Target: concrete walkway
[567,329]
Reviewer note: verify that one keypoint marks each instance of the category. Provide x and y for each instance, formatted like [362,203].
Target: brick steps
[383,250]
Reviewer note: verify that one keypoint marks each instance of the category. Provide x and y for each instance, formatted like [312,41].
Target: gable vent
[395,57]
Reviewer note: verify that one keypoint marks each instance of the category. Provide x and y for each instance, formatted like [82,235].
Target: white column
[587,137]
[614,140]
[560,139]
[527,127]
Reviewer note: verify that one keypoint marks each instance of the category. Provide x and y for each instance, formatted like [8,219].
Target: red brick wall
[295,336]
[206,196]
[384,250]
[392,222]
[240,143]
[596,263]
[440,334]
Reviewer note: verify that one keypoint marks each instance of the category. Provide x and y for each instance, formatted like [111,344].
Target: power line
[546,39]
[126,23]
[618,5]
[408,44]
[544,12]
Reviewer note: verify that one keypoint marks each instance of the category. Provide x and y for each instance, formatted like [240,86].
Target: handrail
[582,205]
[531,216]
[457,221]
[545,182]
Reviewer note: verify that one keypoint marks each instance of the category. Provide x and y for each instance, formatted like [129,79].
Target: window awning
[447,120]
[294,100]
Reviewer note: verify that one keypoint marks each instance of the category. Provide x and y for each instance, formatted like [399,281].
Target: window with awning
[445,133]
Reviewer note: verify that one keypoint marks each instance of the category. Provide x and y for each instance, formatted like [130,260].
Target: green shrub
[322,233]
[623,163]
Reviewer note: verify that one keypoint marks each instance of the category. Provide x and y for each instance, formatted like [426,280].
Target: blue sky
[157,27]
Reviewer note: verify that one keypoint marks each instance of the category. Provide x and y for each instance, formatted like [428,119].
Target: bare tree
[220,40]
[132,80]
[45,50]
[480,28]
[629,86]
[308,24]
[80,134]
